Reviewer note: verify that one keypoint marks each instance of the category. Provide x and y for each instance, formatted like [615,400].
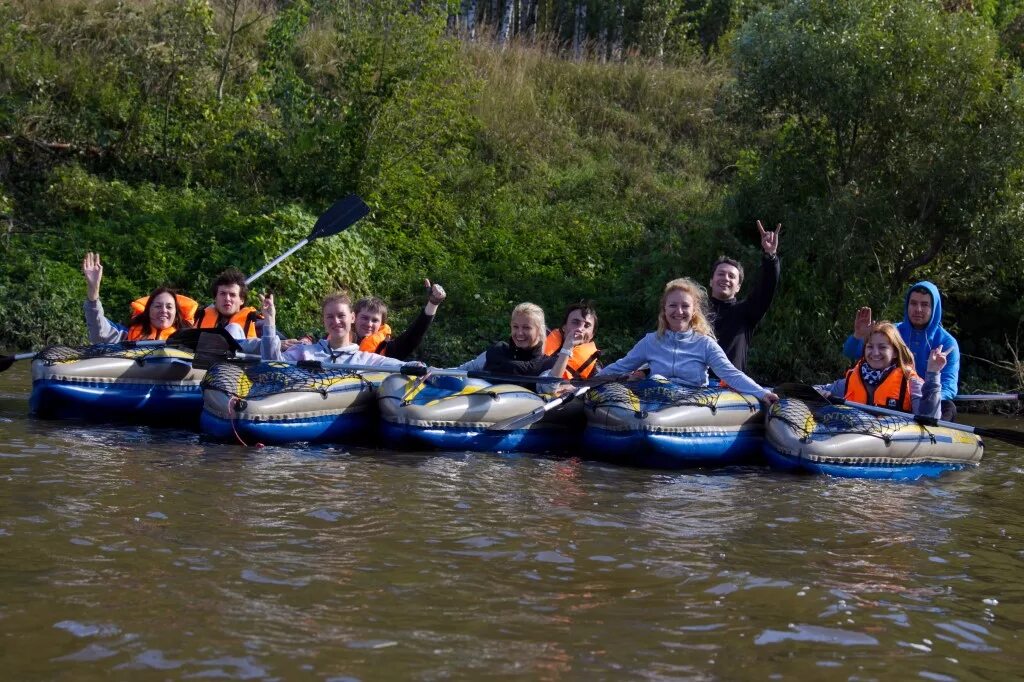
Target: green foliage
[897,145]
[42,301]
[178,138]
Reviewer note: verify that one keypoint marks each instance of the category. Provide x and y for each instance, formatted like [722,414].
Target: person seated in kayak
[523,353]
[922,331]
[884,376]
[373,334]
[229,311]
[684,348]
[580,324]
[338,346]
[154,317]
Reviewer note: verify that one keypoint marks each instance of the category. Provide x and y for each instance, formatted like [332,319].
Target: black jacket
[734,321]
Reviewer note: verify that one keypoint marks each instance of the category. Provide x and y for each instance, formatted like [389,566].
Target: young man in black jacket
[734,320]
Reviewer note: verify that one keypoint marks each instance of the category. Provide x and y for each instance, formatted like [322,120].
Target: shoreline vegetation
[549,158]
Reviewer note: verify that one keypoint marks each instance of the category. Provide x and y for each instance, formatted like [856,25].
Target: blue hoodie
[922,341]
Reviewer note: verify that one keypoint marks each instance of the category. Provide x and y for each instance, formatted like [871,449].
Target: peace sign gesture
[937,359]
[769,238]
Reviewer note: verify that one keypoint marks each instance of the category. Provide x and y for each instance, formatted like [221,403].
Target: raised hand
[437,293]
[862,323]
[937,359]
[288,343]
[769,238]
[93,271]
[269,310]
[563,388]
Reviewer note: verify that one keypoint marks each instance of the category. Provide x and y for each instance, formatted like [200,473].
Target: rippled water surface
[135,553]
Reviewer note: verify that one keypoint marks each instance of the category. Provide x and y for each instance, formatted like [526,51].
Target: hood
[935,323]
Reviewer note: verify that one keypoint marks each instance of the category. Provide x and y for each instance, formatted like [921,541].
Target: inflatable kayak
[456,413]
[279,402]
[656,423]
[117,382]
[846,441]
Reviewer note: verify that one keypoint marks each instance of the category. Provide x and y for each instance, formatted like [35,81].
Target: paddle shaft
[991,396]
[416,370]
[535,415]
[342,215]
[269,266]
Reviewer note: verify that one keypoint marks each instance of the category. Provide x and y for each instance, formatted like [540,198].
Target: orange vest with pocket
[583,360]
[892,392]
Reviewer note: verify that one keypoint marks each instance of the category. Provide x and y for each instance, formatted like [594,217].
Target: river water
[136,553]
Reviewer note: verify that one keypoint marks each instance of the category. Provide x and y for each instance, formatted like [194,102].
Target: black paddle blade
[801,392]
[342,215]
[1006,435]
[8,360]
[212,347]
[191,337]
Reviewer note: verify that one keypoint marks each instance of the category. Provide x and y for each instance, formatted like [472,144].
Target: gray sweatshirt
[684,357]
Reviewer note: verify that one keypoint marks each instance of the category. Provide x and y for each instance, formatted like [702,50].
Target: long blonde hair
[904,358]
[699,319]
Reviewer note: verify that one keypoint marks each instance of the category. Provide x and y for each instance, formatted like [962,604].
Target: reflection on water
[126,549]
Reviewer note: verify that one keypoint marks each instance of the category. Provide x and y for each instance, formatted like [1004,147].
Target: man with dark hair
[581,323]
[373,334]
[229,291]
[922,331]
[734,321]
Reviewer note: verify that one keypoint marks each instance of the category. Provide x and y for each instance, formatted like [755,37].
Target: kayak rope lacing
[652,395]
[819,422]
[270,378]
[56,355]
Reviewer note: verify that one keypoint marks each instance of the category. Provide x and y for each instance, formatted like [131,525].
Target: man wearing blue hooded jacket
[922,331]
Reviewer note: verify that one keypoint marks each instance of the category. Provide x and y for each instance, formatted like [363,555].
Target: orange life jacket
[186,306]
[245,318]
[377,342]
[892,392]
[583,360]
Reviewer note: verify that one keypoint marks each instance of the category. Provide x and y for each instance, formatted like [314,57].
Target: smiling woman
[337,348]
[885,376]
[155,317]
[684,346]
[523,354]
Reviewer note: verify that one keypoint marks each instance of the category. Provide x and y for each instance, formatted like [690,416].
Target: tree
[895,141]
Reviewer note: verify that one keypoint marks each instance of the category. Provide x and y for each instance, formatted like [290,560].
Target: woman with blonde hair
[884,376]
[523,353]
[684,346]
